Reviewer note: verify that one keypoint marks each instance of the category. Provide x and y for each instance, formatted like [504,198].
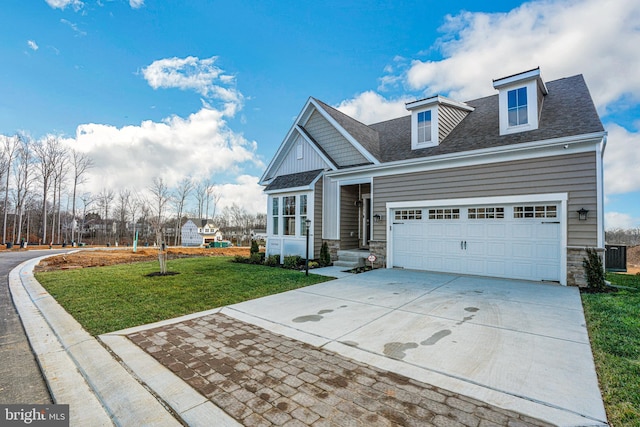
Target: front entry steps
[353,258]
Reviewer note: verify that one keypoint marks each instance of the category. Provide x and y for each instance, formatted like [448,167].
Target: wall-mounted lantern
[377,218]
[582,214]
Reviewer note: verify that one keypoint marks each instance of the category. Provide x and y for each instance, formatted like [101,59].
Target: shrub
[272,261]
[594,271]
[255,248]
[313,264]
[325,257]
[240,259]
[292,261]
[256,258]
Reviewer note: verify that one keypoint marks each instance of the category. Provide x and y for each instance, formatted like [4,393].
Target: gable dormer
[520,99]
[432,119]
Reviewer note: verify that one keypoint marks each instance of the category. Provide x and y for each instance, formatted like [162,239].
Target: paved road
[20,378]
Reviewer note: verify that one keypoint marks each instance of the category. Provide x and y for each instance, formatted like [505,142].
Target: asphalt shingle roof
[567,110]
[293,180]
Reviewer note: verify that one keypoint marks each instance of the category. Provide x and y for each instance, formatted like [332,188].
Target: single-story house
[509,185]
[199,232]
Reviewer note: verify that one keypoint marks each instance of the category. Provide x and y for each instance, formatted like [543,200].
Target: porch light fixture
[582,214]
[377,217]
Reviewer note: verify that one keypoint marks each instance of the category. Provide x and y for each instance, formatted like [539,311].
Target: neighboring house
[488,187]
[198,232]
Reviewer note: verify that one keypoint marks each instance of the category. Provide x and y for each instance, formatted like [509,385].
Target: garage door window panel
[445,213]
[535,211]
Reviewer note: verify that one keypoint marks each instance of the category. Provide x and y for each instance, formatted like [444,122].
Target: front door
[365,220]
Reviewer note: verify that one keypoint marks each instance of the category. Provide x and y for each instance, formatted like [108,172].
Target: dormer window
[517,106]
[426,116]
[520,100]
[424,127]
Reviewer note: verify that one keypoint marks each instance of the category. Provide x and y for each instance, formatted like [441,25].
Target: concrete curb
[79,371]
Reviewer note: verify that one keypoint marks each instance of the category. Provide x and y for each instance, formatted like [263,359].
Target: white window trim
[415,145]
[532,108]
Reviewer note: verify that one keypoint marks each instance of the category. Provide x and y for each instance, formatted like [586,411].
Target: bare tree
[215,196]
[184,189]
[87,200]
[104,203]
[23,181]
[201,193]
[47,152]
[160,197]
[123,201]
[80,164]
[9,148]
[59,174]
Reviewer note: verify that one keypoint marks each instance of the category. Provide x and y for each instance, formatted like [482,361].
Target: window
[517,106]
[408,214]
[303,215]
[485,213]
[424,126]
[275,211]
[445,213]
[537,211]
[289,215]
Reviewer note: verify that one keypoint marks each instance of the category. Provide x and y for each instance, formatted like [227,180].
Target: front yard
[106,299]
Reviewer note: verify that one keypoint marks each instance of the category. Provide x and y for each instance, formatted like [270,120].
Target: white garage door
[514,241]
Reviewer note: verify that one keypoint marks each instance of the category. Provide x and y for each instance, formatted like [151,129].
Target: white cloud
[130,157]
[62,4]
[136,4]
[245,192]
[32,45]
[621,160]
[598,39]
[192,73]
[613,220]
[370,107]
[74,27]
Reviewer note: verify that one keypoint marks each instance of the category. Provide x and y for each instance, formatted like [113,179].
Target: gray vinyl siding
[332,142]
[349,217]
[310,160]
[317,218]
[448,119]
[573,174]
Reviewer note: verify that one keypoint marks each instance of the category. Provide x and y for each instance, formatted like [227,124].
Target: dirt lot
[101,257]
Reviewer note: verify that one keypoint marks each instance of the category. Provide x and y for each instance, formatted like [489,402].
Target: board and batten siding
[309,161]
[332,142]
[574,174]
[448,118]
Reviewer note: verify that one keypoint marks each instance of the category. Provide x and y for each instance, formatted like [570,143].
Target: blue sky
[210,88]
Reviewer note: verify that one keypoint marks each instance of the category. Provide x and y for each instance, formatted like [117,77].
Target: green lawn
[613,320]
[106,299]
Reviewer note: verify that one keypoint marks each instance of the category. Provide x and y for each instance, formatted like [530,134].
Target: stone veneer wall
[575,270]
[379,249]
[334,247]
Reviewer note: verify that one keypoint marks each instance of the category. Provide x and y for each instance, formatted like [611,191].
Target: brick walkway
[263,379]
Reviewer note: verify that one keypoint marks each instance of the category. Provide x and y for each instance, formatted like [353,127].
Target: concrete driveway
[518,345]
